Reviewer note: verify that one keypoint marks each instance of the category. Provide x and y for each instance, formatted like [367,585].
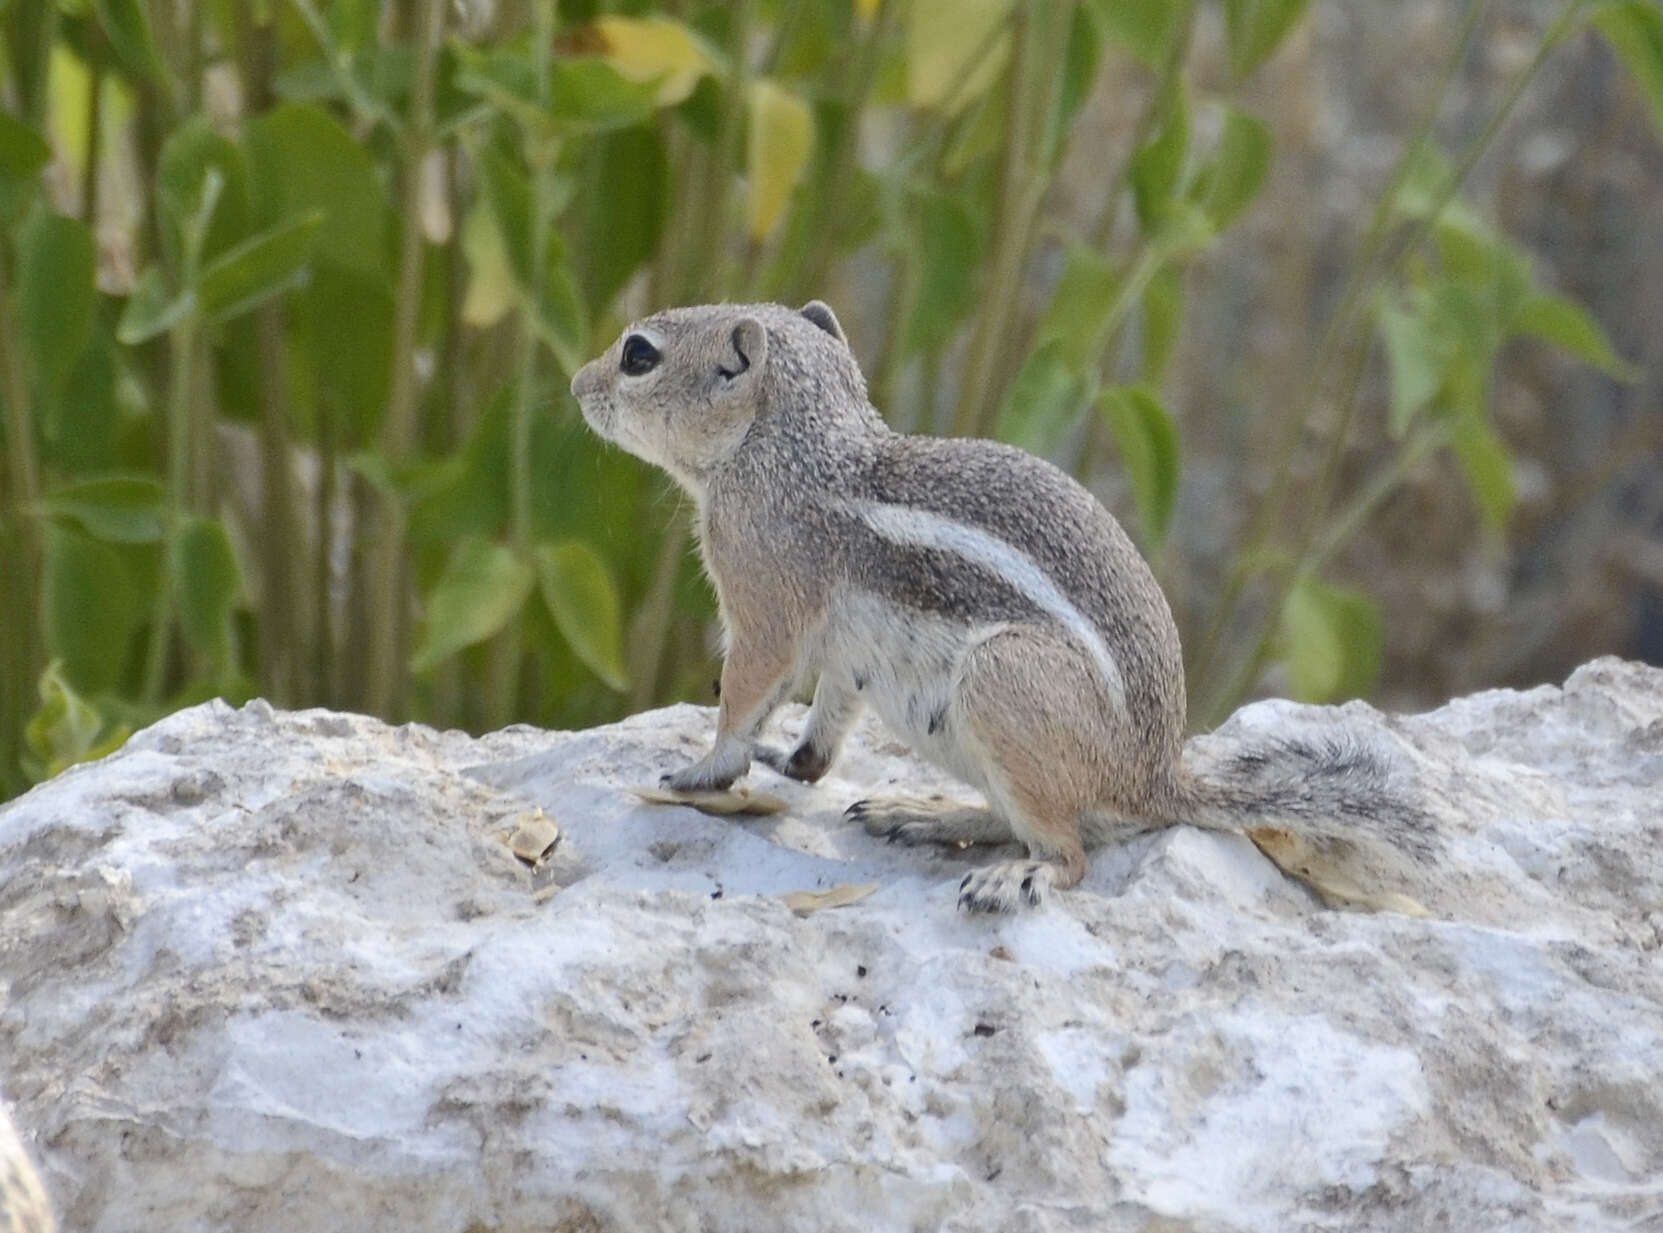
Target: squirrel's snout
[587,382]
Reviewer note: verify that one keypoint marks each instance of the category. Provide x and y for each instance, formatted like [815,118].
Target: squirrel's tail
[1327,810]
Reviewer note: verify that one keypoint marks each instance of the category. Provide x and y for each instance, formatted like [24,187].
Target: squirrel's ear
[747,350]
[819,312]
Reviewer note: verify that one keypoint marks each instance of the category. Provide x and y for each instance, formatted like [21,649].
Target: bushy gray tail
[1335,791]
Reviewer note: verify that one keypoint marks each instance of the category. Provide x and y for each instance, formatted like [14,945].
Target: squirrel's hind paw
[804,763]
[1006,886]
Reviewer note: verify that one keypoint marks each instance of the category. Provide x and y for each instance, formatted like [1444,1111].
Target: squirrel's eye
[640,356]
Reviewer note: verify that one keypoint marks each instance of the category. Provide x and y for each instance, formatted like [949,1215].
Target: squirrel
[983,603]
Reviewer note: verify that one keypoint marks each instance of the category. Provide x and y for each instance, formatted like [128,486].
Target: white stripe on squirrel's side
[902,524]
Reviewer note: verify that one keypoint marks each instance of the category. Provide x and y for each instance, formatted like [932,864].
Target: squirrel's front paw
[700,777]
[715,771]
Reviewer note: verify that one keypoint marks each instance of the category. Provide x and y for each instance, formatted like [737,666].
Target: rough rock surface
[282,971]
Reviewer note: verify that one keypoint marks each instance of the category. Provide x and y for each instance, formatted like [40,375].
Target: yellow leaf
[866,10]
[655,47]
[722,802]
[805,902]
[955,50]
[781,138]
[490,282]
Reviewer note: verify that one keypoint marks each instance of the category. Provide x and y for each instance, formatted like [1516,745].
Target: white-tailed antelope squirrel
[985,605]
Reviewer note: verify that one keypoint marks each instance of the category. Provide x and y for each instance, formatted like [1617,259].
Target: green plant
[290,295]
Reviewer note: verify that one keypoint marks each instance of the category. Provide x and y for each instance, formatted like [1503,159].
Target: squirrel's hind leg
[1030,714]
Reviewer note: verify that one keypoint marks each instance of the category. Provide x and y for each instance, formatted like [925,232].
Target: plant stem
[1290,424]
[1041,39]
[1176,55]
[181,374]
[22,468]
[1345,529]
[340,66]
[540,156]
[1307,562]
[705,248]
[20,554]
[282,552]
[843,163]
[387,678]
[95,129]
[652,622]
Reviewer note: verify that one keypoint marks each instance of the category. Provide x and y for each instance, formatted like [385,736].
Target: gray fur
[988,607]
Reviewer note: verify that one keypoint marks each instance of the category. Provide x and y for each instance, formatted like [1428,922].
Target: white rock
[282,971]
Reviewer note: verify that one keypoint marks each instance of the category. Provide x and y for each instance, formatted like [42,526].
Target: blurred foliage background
[1311,295]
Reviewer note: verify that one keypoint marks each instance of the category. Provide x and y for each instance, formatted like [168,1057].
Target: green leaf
[954,50]
[1145,28]
[508,194]
[1148,441]
[128,29]
[1079,310]
[1163,318]
[1045,400]
[301,160]
[1254,30]
[23,152]
[582,597]
[82,432]
[191,152]
[1417,357]
[779,142]
[1474,255]
[482,589]
[559,317]
[152,309]
[627,192]
[505,78]
[1235,172]
[554,307]
[1568,325]
[591,95]
[470,497]
[122,509]
[207,584]
[1183,233]
[586,94]
[1635,31]
[257,269]
[1157,170]
[89,606]
[1461,314]
[55,295]
[949,249]
[66,729]
[1334,640]
[1488,467]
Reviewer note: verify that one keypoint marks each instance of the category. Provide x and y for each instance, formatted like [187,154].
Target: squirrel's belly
[905,665]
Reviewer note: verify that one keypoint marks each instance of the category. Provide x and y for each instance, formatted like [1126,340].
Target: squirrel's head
[683,388]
